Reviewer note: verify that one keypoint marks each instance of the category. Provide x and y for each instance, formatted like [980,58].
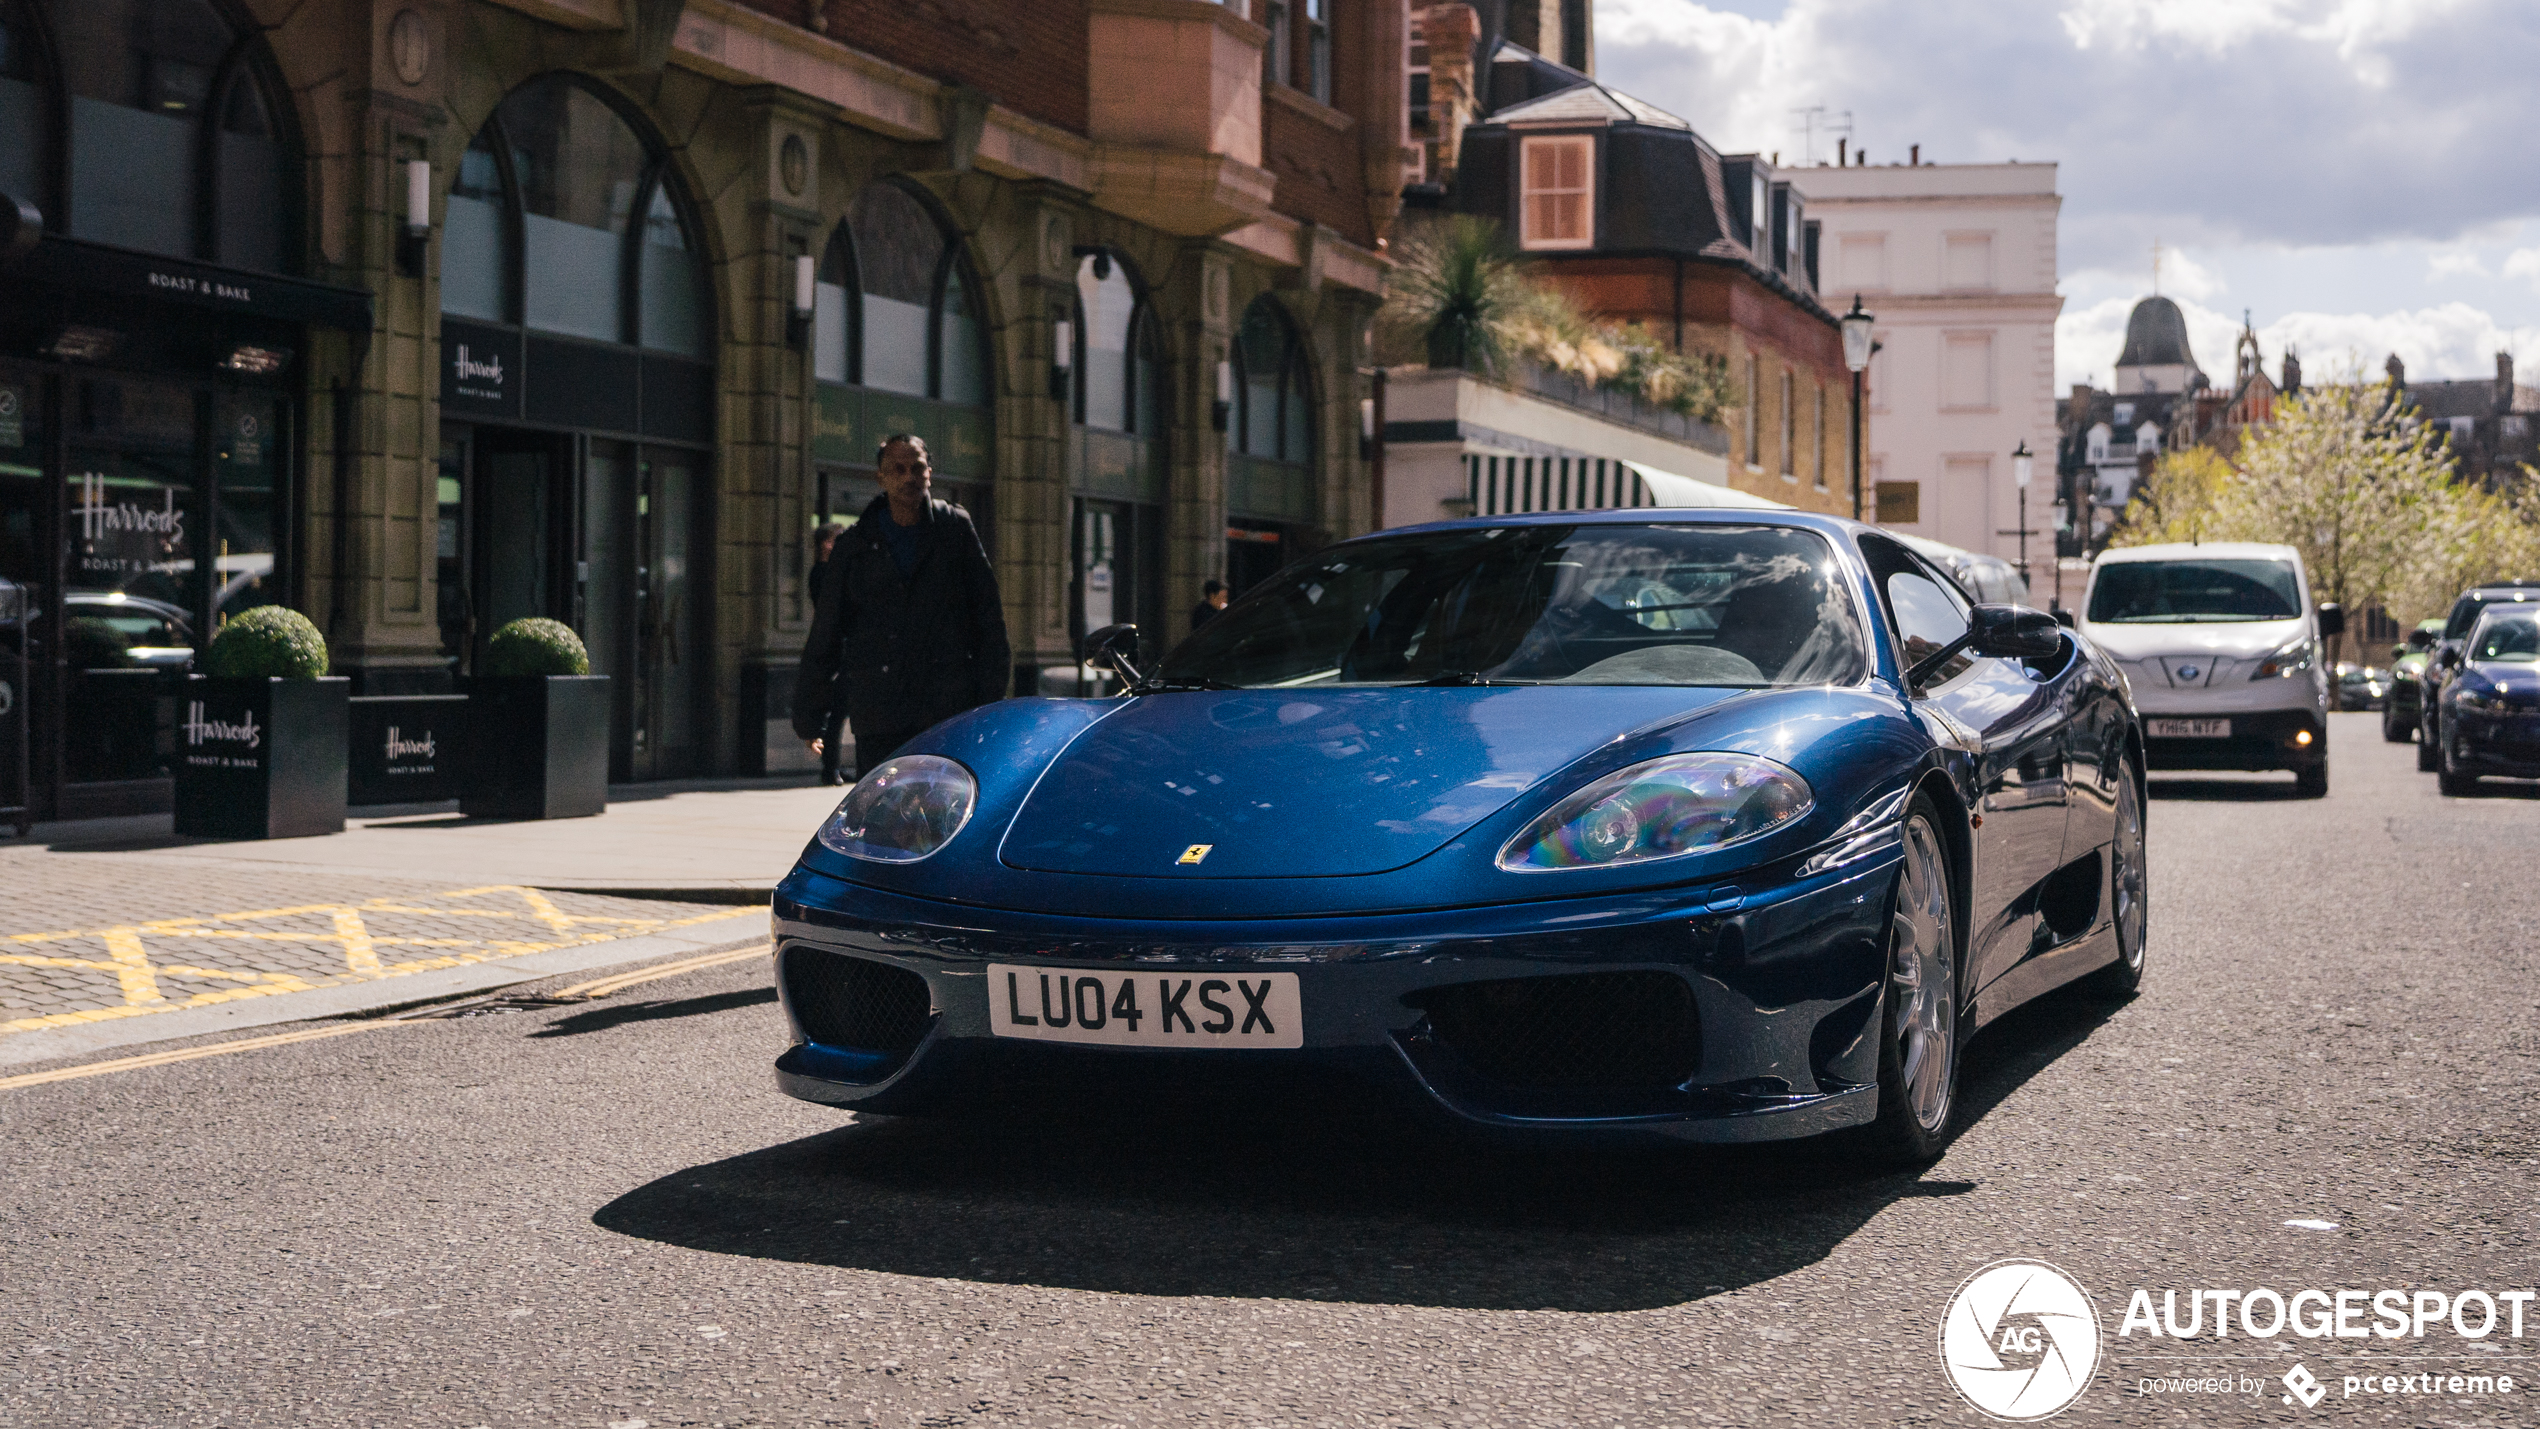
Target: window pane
[249,183]
[1297,441]
[144,196]
[1143,378]
[832,310]
[22,484]
[578,166]
[671,284]
[23,112]
[140,74]
[1261,348]
[247,452]
[1109,304]
[475,249]
[965,363]
[898,248]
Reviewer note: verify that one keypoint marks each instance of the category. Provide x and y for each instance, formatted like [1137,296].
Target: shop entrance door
[520,562]
[644,603]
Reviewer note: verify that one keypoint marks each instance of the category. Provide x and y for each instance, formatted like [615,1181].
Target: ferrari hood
[1309,782]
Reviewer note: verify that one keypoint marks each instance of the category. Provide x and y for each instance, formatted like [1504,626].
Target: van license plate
[2188,728]
[1145,1009]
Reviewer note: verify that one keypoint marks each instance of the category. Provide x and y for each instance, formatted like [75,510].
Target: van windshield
[2194,592]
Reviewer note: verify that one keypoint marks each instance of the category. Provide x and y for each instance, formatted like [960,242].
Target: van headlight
[903,811]
[2293,659]
[1664,808]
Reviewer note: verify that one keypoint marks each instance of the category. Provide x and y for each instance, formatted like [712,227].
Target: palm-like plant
[1458,294]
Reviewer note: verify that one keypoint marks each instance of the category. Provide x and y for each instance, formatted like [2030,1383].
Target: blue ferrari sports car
[1703,825]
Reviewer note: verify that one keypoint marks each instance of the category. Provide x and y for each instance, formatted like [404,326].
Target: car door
[2017,726]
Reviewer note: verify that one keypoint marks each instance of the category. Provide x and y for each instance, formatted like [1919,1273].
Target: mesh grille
[1607,1031]
[856,1002]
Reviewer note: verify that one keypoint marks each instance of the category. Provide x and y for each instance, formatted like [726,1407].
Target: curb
[381,994]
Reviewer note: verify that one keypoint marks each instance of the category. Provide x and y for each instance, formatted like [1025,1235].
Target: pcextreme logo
[2019,1340]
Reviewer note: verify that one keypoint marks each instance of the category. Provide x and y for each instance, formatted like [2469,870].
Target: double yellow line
[598,987]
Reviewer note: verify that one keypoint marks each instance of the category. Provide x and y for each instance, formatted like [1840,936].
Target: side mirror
[2063,617]
[1111,647]
[2449,657]
[2332,619]
[2398,652]
[2015,632]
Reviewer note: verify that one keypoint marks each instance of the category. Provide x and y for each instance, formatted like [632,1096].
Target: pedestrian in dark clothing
[909,630]
[832,742]
[1212,599]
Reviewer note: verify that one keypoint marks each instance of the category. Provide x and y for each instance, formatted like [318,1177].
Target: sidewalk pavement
[118,931]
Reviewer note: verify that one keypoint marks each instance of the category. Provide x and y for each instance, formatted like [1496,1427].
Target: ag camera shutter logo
[2020,1340]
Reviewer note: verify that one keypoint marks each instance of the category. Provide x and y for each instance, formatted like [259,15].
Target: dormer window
[2125,413]
[1559,202]
[1759,215]
[2099,442]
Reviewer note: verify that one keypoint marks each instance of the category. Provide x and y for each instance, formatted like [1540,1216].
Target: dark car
[2491,704]
[1710,826]
[2446,657]
[2360,687]
[2403,711]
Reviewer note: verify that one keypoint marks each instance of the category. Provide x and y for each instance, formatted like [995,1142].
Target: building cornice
[2006,304]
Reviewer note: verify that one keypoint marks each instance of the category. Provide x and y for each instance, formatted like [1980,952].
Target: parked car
[2491,704]
[1604,825]
[2361,687]
[2404,711]
[2446,657]
[1985,579]
[110,629]
[2222,645]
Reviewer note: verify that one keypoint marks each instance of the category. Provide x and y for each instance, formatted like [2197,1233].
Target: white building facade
[1958,263]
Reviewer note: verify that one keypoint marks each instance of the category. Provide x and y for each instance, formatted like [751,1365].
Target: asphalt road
[606,1216]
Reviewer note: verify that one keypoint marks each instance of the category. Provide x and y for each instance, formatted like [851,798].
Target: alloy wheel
[1924,978]
[2132,912]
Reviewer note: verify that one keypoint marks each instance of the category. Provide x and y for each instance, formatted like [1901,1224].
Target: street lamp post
[1856,355]
[2022,465]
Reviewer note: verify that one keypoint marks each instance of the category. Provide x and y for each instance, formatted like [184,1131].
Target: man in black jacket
[909,629]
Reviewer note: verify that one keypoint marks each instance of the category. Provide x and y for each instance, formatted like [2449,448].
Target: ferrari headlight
[903,811]
[1665,808]
[2293,659]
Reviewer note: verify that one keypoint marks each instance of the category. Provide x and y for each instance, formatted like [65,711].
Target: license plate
[1145,1009]
[2188,728]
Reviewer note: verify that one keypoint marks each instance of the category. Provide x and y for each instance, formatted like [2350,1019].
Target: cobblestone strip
[165,964]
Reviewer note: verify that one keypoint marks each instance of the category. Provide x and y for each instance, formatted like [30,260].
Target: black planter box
[408,749]
[261,759]
[538,747]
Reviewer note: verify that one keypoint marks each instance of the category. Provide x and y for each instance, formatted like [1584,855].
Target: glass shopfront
[151,381]
[577,393]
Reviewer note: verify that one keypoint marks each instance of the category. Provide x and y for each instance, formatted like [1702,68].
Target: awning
[1668,489]
[76,264]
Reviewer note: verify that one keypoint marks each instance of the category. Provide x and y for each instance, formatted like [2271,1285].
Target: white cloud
[2452,340]
[2524,263]
[2453,263]
[2183,277]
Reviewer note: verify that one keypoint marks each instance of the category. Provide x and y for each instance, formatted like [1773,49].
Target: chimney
[2292,371]
[1451,33]
[1914,157]
[1840,144]
[2504,382]
[2397,370]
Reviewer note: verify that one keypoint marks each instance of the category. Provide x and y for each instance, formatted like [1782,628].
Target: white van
[2223,647]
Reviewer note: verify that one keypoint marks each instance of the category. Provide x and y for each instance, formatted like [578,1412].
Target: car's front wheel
[2393,728]
[2429,745]
[2452,778]
[1918,1033]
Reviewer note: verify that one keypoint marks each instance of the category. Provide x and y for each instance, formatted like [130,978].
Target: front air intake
[856,1004]
[1636,1031]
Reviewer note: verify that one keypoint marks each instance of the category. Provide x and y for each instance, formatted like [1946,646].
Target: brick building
[419,315]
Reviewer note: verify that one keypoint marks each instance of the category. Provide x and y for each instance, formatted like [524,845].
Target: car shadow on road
[1344,1204]
[604,1018]
[2224,791]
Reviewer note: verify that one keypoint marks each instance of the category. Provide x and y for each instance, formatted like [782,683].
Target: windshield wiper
[1178,684]
[1456,677]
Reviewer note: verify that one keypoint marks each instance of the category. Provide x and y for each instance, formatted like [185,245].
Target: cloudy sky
[2363,176]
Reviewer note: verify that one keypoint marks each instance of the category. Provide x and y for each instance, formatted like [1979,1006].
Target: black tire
[1919,1008]
[2450,777]
[2394,729]
[2311,783]
[2129,895]
[2429,750]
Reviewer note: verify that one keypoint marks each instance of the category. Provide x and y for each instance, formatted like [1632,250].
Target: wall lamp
[1062,358]
[1366,428]
[418,226]
[806,297]
[1222,411]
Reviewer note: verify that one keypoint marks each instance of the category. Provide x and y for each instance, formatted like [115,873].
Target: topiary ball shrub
[534,645]
[268,642]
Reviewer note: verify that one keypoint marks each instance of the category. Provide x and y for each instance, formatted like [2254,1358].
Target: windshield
[1745,606]
[2515,639]
[2194,591]
[2465,612]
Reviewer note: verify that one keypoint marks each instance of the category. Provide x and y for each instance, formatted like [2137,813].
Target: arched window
[562,219]
[1116,358]
[175,142]
[913,325]
[1274,390]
